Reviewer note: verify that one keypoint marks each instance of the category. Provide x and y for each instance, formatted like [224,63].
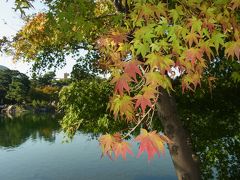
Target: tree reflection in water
[15,131]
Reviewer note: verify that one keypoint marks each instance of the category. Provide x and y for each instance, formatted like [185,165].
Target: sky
[10,23]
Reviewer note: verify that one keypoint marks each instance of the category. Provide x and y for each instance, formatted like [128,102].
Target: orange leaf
[118,37]
[122,148]
[114,143]
[193,54]
[106,142]
[235,4]
[192,37]
[233,48]
[143,101]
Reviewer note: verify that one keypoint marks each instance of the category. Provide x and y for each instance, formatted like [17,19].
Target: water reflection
[16,131]
[215,138]
[37,152]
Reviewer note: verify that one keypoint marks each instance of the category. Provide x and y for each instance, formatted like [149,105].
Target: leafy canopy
[160,37]
[143,43]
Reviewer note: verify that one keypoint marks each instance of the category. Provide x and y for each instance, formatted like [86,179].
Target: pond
[31,147]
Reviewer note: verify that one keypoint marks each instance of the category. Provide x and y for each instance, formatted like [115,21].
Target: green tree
[18,89]
[46,79]
[87,66]
[14,86]
[5,80]
[84,104]
[140,43]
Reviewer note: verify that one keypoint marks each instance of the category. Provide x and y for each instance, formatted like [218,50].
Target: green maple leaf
[162,44]
[161,29]
[195,24]
[188,79]
[161,9]
[217,39]
[235,76]
[149,91]
[220,2]
[176,13]
[156,60]
[141,48]
[176,47]
[145,33]
[156,79]
[205,33]
[155,47]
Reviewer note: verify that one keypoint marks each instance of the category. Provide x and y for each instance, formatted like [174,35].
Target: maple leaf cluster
[157,38]
[186,36]
[114,143]
[151,142]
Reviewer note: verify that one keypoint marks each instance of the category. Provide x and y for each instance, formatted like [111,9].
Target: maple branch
[139,122]
[139,85]
[150,121]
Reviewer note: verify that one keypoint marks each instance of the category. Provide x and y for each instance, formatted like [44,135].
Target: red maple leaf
[132,69]
[146,145]
[143,101]
[151,142]
[121,83]
[193,54]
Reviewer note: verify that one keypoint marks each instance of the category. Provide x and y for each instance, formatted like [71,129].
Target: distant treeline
[18,88]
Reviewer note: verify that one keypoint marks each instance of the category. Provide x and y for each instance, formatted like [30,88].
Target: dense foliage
[14,86]
[84,101]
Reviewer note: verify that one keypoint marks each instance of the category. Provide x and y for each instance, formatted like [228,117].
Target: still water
[31,147]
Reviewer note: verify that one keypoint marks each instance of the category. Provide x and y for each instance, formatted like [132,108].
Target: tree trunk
[181,152]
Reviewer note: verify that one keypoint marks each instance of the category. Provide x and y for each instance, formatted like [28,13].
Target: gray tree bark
[185,163]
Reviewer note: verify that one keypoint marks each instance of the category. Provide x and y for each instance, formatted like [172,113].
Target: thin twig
[139,122]
[150,121]
[139,85]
